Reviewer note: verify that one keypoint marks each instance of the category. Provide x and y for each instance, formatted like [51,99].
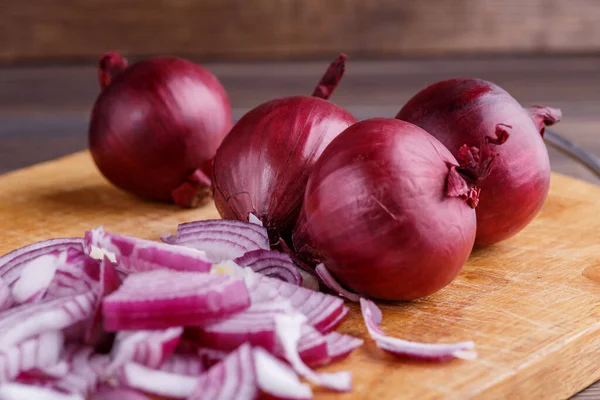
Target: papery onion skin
[377,212]
[264,162]
[156,126]
[466,111]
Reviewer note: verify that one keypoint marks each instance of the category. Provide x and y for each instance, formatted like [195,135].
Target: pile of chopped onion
[210,313]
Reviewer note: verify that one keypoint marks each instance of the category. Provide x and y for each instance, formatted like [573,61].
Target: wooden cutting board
[531,304]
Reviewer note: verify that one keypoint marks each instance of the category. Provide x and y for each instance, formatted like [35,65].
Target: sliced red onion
[76,273]
[109,282]
[334,285]
[289,331]
[6,300]
[44,374]
[276,379]
[253,219]
[255,325]
[11,263]
[157,382]
[271,263]
[220,239]
[35,277]
[136,255]
[84,374]
[149,348]
[28,320]
[312,346]
[210,356]
[184,364]
[234,378]
[20,391]
[420,351]
[336,322]
[164,298]
[321,309]
[108,393]
[41,351]
[340,346]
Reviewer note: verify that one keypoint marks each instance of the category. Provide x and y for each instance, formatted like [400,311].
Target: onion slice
[119,394]
[276,379]
[320,309]
[420,351]
[85,370]
[137,255]
[11,263]
[41,351]
[19,391]
[164,298]
[340,346]
[35,278]
[157,382]
[234,378]
[109,282]
[255,325]
[6,300]
[27,320]
[220,239]
[184,364]
[336,322]
[271,263]
[76,273]
[289,331]
[148,348]
[334,285]
[210,356]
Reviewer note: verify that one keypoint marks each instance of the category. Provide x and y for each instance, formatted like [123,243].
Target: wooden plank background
[42,30]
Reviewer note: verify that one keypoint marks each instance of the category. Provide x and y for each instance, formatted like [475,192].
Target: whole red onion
[388,213]
[156,126]
[467,111]
[263,164]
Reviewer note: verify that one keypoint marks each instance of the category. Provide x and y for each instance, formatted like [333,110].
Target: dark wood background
[59,30]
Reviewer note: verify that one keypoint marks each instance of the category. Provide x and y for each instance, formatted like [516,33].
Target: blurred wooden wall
[58,30]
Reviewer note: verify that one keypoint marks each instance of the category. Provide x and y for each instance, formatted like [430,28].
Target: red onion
[263,164]
[156,126]
[162,383]
[27,320]
[12,263]
[277,380]
[134,254]
[271,263]
[324,312]
[289,331]
[461,112]
[221,240]
[41,351]
[184,364]
[149,348]
[6,300]
[164,298]
[419,351]
[387,212]
[19,391]
[234,378]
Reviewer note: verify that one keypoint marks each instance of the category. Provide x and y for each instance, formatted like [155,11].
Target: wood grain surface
[267,29]
[534,316]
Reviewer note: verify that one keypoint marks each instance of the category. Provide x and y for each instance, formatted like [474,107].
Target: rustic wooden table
[44,110]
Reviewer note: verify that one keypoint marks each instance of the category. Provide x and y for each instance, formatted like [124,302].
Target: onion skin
[379,211]
[466,111]
[156,126]
[264,162]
